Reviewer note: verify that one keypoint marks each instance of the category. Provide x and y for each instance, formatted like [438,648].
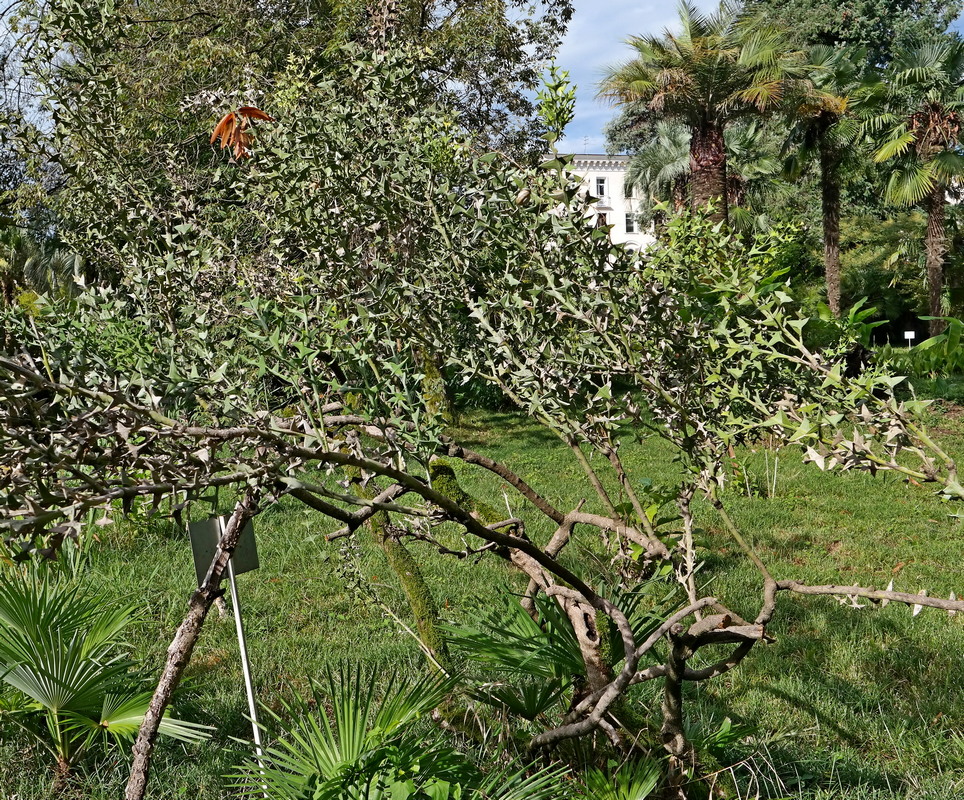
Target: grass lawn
[846,703]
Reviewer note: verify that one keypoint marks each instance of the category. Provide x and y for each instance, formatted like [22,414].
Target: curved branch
[872,594]
[470,457]
[721,666]
[609,693]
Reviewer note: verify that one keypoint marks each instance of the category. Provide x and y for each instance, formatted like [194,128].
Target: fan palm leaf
[910,181]
[526,699]
[354,739]
[61,659]
[512,641]
[542,784]
[635,780]
[120,718]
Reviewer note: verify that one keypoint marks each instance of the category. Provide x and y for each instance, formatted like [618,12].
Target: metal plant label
[205,536]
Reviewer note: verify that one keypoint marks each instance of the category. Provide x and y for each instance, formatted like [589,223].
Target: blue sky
[595,40]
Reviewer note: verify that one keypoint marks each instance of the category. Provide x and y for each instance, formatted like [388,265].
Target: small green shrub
[940,356]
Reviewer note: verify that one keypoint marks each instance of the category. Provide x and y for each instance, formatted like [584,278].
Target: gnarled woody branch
[872,594]
[712,630]
[577,722]
[608,693]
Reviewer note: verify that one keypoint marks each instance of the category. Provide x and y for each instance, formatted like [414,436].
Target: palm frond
[60,651]
[527,699]
[354,740]
[948,165]
[512,641]
[543,784]
[120,718]
[897,143]
[635,780]
[909,182]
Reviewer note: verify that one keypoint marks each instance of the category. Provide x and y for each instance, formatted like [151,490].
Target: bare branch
[872,594]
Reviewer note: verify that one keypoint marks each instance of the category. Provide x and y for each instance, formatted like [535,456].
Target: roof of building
[600,160]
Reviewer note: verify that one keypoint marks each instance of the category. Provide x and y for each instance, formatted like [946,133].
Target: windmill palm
[825,129]
[920,133]
[62,665]
[718,69]
[660,168]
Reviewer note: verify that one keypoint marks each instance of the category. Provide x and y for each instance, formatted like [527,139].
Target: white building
[603,176]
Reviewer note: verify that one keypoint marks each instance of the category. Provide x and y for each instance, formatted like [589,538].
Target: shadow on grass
[475,430]
[849,703]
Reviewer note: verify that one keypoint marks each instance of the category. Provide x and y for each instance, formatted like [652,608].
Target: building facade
[603,176]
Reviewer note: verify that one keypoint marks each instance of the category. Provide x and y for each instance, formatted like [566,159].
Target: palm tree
[921,130]
[660,168]
[61,662]
[825,129]
[717,69]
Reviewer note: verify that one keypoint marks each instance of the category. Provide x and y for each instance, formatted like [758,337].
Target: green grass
[865,704]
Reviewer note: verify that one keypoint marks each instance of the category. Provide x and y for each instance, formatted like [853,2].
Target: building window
[631,223]
[600,187]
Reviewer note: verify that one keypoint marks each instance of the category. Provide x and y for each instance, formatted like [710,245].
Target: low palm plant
[357,737]
[536,660]
[634,780]
[65,677]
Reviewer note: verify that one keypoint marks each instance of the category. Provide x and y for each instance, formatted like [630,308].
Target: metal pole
[245,665]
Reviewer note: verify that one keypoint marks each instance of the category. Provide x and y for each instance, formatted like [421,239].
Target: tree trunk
[708,169]
[179,652]
[830,196]
[680,190]
[412,579]
[936,250]
[590,638]
[672,733]
[62,774]
[435,392]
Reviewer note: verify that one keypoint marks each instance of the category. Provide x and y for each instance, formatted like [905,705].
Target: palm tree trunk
[62,774]
[708,169]
[935,248]
[680,190]
[830,196]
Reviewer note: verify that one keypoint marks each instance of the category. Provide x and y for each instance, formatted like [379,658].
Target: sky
[594,41]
